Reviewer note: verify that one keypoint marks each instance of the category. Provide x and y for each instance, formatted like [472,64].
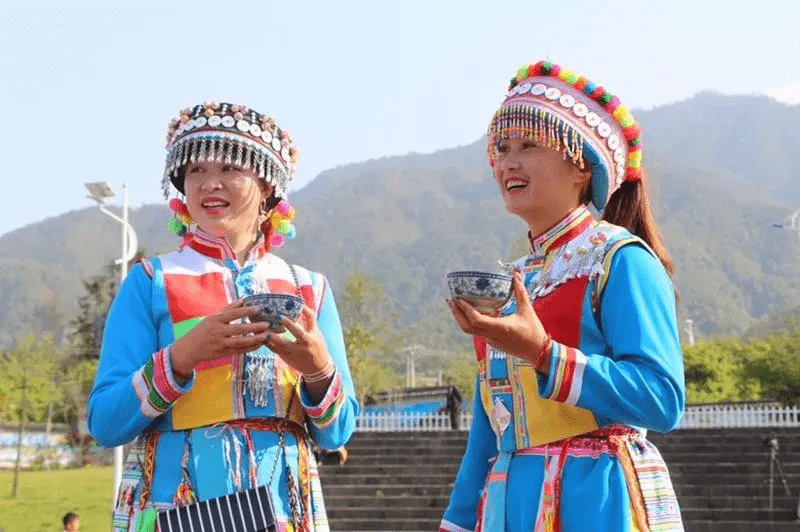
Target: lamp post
[100,191]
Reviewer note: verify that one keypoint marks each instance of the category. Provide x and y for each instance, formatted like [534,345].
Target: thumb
[524,306]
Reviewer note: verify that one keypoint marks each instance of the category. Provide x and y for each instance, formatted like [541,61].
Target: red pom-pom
[613,104]
[580,84]
[597,92]
[632,132]
[537,69]
[178,207]
[633,174]
[531,71]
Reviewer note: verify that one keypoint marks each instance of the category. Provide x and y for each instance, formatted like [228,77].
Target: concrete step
[740,526]
[371,512]
[432,479]
[390,470]
[398,491]
[738,514]
[380,525]
[414,501]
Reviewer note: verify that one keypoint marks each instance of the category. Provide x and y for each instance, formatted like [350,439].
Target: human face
[223,200]
[536,182]
[73,525]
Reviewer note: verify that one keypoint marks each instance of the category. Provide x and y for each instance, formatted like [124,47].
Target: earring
[281,222]
[179,224]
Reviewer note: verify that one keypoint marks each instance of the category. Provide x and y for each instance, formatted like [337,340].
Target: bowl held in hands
[272,308]
[485,291]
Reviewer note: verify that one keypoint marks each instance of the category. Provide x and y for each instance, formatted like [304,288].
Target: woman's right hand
[215,336]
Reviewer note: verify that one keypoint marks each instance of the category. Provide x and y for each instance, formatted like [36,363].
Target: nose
[510,160]
[210,183]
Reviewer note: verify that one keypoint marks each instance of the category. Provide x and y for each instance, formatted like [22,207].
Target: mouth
[214,203]
[515,184]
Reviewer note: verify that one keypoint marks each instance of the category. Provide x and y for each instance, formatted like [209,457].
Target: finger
[228,315]
[460,317]
[239,329]
[295,327]
[521,294]
[475,318]
[280,344]
[248,343]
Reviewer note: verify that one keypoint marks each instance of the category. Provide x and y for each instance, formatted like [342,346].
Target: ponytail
[629,207]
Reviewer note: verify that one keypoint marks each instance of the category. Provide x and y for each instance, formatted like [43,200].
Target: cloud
[789,94]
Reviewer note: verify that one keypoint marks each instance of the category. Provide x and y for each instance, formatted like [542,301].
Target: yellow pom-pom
[567,75]
[185,220]
[522,73]
[622,113]
[275,220]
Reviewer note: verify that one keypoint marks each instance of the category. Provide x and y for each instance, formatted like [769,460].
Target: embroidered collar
[218,248]
[574,224]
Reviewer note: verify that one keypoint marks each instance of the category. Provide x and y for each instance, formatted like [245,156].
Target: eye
[229,168]
[501,147]
[527,144]
[193,169]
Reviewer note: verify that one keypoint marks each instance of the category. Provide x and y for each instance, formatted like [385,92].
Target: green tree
[88,325]
[364,311]
[774,361]
[715,373]
[29,386]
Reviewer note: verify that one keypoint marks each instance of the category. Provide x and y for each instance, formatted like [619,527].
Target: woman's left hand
[307,353]
[520,334]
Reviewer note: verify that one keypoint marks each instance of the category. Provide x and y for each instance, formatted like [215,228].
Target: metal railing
[707,416]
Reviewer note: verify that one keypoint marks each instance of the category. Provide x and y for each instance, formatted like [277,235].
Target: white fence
[711,416]
[740,415]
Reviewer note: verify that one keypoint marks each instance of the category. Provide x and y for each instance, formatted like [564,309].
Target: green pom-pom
[605,98]
[175,226]
[546,68]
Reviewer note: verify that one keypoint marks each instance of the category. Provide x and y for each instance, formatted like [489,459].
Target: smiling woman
[214,404]
[586,354]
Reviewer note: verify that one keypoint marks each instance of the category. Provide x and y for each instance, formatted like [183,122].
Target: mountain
[720,168]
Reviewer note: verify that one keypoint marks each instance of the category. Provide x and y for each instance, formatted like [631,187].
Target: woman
[214,404]
[587,353]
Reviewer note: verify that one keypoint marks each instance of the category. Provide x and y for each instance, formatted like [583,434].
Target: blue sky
[88,87]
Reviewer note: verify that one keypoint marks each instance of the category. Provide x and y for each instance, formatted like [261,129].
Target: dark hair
[629,207]
[69,517]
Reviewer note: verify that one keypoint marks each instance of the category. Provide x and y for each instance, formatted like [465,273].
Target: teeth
[511,183]
[215,204]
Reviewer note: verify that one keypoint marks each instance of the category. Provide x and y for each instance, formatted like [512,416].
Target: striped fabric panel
[447,526]
[325,413]
[663,512]
[567,374]
[155,385]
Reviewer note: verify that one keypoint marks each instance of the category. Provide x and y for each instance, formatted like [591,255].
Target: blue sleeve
[461,512]
[333,419]
[640,382]
[134,383]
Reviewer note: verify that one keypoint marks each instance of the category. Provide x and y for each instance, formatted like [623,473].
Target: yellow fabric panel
[209,401]
[548,421]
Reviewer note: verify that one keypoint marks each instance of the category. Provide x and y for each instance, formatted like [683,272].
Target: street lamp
[100,191]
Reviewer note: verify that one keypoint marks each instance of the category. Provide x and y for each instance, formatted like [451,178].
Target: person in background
[71,522]
[586,355]
[215,405]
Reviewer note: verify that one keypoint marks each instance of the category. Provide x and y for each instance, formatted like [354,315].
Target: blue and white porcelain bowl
[272,308]
[485,291]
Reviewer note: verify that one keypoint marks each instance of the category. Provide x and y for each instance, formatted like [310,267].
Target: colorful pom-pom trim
[604,98]
[281,222]
[179,224]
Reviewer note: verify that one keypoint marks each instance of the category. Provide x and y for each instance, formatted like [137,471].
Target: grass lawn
[45,496]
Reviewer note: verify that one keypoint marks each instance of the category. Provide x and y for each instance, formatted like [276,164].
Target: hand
[307,354]
[520,334]
[215,336]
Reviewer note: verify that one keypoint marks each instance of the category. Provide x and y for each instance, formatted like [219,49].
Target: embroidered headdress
[234,134]
[237,135]
[566,112]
